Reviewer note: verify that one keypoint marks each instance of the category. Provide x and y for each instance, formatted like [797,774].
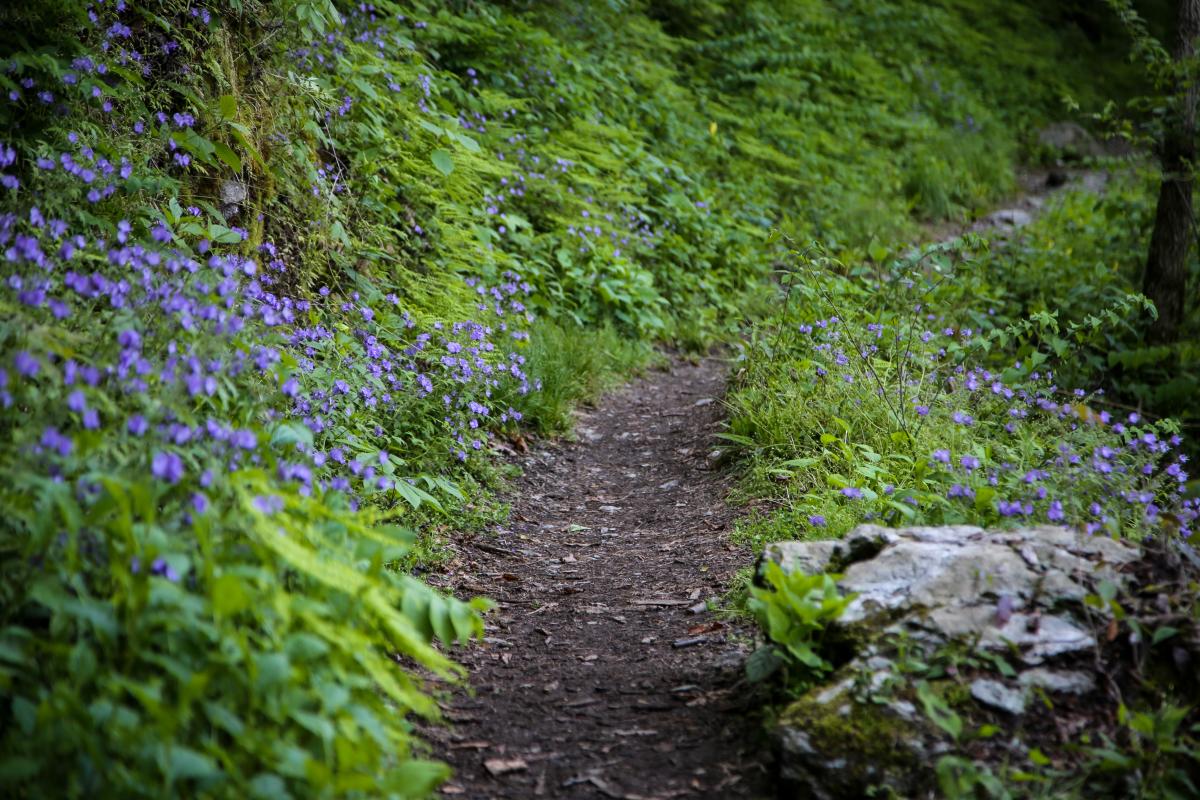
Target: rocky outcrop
[233,194]
[1070,140]
[1014,599]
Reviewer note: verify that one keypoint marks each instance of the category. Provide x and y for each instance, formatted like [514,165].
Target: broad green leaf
[268,786]
[466,141]
[290,433]
[228,107]
[436,130]
[443,161]
[938,711]
[416,778]
[273,669]
[228,156]
[195,144]
[184,762]
[763,663]
[221,234]
[1163,633]
[229,595]
[25,714]
[224,718]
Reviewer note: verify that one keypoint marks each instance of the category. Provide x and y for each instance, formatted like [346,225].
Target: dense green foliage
[955,384]
[272,271]
[915,414]
[795,611]
[1086,254]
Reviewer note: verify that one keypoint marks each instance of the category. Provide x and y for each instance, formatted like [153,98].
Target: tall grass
[576,365]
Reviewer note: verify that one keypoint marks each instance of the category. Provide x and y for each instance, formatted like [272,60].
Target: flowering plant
[889,413]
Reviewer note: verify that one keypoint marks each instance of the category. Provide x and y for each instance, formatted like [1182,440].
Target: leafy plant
[939,711]
[270,275]
[795,611]
[962,779]
[1160,757]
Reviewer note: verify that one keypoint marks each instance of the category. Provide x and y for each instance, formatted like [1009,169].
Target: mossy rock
[832,745]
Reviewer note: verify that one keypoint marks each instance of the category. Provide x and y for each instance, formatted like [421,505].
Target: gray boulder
[1016,595]
[233,194]
[949,581]
[1070,140]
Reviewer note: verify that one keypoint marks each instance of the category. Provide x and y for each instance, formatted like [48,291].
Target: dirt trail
[602,675]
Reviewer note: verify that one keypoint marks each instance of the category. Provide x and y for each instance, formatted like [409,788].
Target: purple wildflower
[26,364]
[167,466]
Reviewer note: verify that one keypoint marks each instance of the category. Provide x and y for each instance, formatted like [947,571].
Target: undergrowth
[960,384]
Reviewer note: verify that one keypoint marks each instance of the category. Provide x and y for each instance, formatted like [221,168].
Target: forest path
[602,674]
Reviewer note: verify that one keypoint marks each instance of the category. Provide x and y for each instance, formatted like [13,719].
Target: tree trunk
[1165,279]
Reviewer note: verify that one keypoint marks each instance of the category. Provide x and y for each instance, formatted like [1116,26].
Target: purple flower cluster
[184,353]
[1105,477]
[201,325]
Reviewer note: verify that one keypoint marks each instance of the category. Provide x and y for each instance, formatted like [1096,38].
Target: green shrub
[1082,256]
[794,610]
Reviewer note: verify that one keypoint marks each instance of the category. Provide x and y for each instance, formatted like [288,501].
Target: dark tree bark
[1165,279]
